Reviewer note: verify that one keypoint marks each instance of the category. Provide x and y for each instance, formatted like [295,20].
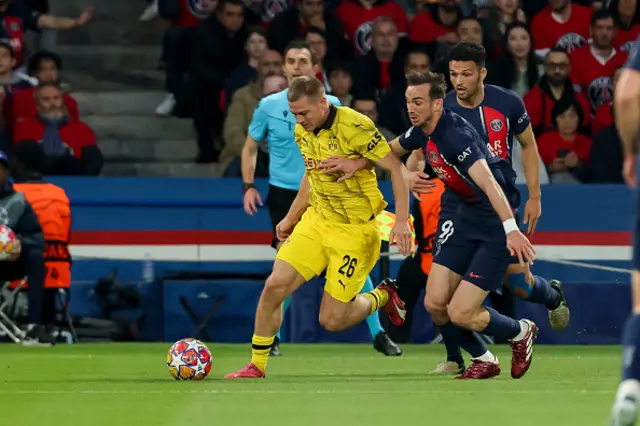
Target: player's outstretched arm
[531,165]
[400,185]
[517,243]
[627,110]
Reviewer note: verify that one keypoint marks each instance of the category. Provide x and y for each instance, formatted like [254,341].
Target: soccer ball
[7,239]
[189,359]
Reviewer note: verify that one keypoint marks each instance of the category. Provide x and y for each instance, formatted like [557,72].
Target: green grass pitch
[315,385]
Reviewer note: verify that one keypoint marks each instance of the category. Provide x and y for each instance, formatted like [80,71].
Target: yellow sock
[378,298]
[260,348]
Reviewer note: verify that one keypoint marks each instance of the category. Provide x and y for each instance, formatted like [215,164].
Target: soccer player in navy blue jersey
[627,115]
[499,116]
[473,252]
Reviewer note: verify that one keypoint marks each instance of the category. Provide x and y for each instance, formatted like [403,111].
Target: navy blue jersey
[452,148]
[634,63]
[499,117]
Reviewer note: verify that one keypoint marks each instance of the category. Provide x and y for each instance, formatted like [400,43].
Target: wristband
[247,186]
[509,226]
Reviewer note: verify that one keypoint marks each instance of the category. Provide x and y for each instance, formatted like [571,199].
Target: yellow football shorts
[347,252]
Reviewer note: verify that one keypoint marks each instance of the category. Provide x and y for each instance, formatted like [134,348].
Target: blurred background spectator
[218,49]
[241,108]
[69,144]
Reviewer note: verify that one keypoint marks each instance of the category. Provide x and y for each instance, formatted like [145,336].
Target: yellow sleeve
[367,140]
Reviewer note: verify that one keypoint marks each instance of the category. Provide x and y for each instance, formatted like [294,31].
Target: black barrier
[385,261]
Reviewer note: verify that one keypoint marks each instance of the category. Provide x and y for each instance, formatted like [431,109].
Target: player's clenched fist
[520,246]
[403,237]
[285,228]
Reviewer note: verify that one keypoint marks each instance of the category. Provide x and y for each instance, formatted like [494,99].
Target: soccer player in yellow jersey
[331,224]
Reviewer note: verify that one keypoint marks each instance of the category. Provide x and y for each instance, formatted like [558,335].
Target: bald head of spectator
[469,29]
[49,101]
[384,38]
[274,84]
[270,64]
[416,61]
[230,13]
[316,39]
[45,66]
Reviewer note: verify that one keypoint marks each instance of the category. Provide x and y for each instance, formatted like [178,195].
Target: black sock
[450,335]
[501,326]
[544,294]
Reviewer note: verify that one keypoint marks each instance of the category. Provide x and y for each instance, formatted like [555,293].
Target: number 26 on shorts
[348,267]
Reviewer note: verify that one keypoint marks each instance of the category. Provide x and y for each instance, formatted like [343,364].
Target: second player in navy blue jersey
[500,118]
[471,257]
[627,115]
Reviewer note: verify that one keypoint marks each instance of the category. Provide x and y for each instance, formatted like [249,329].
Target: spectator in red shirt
[436,25]
[554,86]
[357,17]
[603,117]
[70,145]
[294,23]
[561,24]
[17,18]
[564,151]
[45,67]
[375,71]
[593,65]
[626,13]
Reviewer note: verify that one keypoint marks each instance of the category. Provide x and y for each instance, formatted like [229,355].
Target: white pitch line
[293,392]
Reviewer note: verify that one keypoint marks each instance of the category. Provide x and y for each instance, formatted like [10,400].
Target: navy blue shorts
[473,246]
[636,225]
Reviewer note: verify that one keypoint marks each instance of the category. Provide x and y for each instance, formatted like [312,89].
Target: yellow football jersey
[347,133]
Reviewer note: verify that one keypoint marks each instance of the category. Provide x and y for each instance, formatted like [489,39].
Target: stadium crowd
[34,106]
[561,56]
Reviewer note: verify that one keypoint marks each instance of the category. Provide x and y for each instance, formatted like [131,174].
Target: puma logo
[344,286]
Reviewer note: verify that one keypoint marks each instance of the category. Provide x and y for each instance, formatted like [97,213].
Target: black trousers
[29,264]
[176,53]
